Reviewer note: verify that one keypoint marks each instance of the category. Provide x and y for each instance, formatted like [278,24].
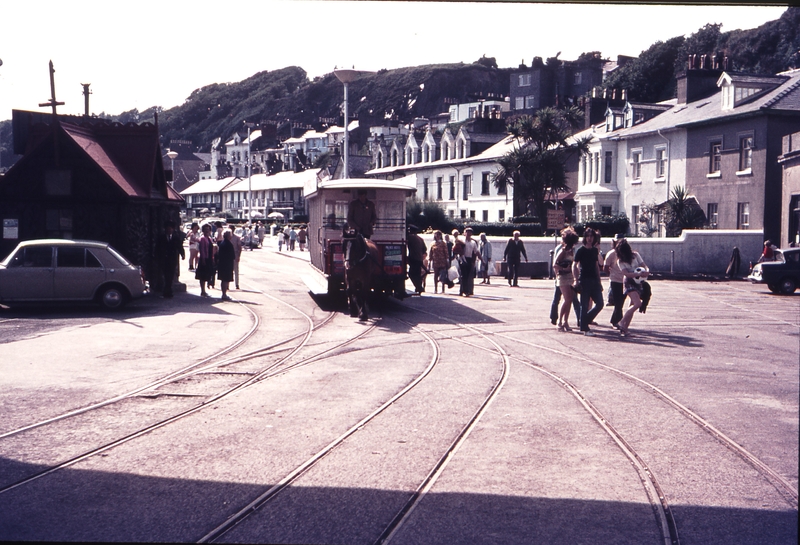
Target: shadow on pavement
[81,505]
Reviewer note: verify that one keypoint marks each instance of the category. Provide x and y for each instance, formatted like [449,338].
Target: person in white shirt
[616,280]
[634,270]
[467,259]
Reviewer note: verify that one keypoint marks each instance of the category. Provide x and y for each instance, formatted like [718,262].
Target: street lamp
[347,76]
[249,178]
[172,155]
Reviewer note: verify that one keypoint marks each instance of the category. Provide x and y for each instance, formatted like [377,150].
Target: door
[77,273]
[29,276]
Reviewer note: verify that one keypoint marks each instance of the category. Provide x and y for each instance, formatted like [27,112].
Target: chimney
[697,83]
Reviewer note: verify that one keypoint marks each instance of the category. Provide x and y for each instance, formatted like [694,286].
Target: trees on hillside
[536,167]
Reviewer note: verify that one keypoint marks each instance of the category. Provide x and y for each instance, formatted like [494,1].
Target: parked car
[782,275]
[56,270]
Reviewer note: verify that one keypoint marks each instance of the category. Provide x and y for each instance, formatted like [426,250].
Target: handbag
[452,273]
[490,270]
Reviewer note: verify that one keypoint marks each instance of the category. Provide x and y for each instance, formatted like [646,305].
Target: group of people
[291,236]
[578,281]
[214,253]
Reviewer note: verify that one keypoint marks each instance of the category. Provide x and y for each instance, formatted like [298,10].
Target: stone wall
[704,251]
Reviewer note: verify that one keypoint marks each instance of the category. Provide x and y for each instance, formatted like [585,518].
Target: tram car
[328,202]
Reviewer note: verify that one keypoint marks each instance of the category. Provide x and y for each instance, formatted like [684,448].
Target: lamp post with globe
[172,155]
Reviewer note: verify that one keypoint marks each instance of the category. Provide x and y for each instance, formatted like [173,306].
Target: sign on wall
[11,229]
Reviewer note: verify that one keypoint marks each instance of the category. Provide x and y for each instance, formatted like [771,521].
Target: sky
[155,53]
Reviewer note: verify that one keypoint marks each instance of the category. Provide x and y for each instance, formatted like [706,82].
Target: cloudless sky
[138,54]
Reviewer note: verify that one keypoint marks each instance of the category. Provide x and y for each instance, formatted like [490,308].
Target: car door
[77,273]
[29,275]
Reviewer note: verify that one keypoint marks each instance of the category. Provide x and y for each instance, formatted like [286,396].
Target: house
[87,178]
[790,201]
[557,83]
[720,139]
[204,197]
[281,192]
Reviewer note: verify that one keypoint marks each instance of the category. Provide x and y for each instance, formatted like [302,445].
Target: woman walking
[615,279]
[586,271]
[563,268]
[205,262]
[634,270]
[485,248]
[440,261]
[226,258]
[194,246]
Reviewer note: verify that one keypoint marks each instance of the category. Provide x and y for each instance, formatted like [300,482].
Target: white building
[281,192]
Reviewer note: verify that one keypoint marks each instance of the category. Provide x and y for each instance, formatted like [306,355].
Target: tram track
[781,484]
[269,371]
[424,486]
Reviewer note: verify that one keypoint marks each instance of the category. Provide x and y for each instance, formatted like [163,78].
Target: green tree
[536,167]
[682,212]
[650,77]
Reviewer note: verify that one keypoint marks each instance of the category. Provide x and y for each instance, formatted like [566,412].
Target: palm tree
[536,167]
[683,212]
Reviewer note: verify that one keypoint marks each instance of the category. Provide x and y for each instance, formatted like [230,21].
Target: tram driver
[361,216]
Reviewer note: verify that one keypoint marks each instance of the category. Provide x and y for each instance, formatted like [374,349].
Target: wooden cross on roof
[52,102]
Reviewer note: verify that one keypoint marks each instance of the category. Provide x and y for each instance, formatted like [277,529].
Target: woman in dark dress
[205,260]
[226,256]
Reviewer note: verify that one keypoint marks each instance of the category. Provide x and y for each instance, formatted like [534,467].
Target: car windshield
[119,257]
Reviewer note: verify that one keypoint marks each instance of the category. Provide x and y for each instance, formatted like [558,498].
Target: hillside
[287,95]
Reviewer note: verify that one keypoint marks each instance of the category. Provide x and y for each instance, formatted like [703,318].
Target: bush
[608,226]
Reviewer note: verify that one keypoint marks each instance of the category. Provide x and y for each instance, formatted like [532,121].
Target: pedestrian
[286,237]
[237,248]
[512,256]
[225,263]
[634,270]
[441,262]
[169,246]
[468,257]
[449,244]
[586,273]
[262,233]
[292,238]
[769,252]
[205,260]
[457,252]
[194,245]
[615,280]
[563,269]
[416,255]
[302,235]
[485,248]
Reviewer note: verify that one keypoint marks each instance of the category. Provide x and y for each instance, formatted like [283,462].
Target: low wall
[704,251]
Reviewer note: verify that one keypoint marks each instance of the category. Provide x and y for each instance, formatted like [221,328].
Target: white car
[55,270]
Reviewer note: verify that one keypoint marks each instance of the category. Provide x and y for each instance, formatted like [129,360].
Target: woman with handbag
[563,268]
[439,258]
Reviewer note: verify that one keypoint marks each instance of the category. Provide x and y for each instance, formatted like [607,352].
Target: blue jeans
[576,306]
[591,289]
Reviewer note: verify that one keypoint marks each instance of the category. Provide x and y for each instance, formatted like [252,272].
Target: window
[524,80]
[452,188]
[33,256]
[529,101]
[438,188]
[519,103]
[467,186]
[70,256]
[712,214]
[501,215]
[485,184]
[58,223]
[463,214]
[577,78]
[715,157]
[605,210]
[661,163]
[472,214]
[745,153]
[607,166]
[743,215]
[636,165]
[485,215]
[424,189]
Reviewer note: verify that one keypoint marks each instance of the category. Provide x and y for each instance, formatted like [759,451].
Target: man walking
[514,249]
[169,246]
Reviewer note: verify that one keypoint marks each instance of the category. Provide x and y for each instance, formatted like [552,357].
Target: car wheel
[774,288]
[112,298]
[787,285]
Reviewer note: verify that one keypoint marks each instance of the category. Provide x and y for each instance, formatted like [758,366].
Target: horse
[362,264]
